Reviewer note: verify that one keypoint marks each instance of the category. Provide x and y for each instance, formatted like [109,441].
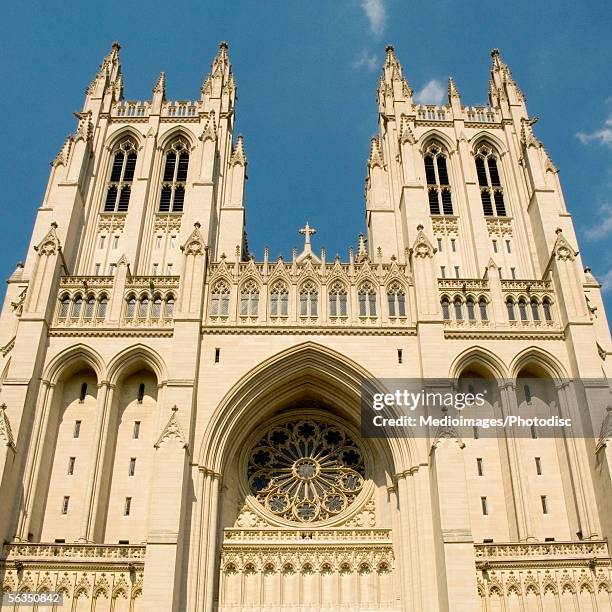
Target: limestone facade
[155,376]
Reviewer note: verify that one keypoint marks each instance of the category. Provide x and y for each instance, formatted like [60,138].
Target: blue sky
[306,75]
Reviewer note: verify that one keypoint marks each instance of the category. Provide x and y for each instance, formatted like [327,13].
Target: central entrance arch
[250,560]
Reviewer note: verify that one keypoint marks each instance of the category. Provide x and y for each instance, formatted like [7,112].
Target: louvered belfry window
[491,190]
[119,186]
[174,179]
[438,184]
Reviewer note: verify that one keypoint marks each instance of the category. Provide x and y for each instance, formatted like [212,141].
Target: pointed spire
[392,80]
[160,85]
[502,85]
[453,92]
[238,154]
[376,156]
[108,75]
[362,250]
[221,61]
[219,83]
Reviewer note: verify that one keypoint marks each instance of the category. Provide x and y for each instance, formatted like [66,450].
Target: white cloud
[603,224]
[366,60]
[606,281]
[603,135]
[376,12]
[432,93]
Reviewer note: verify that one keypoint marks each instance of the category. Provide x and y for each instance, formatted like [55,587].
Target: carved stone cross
[307,232]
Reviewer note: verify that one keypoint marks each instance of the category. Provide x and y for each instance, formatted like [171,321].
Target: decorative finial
[389,49]
[223,45]
[116,46]
[307,232]
[197,225]
[495,52]
[419,227]
[558,231]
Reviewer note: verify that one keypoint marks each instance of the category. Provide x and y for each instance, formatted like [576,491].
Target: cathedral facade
[180,420]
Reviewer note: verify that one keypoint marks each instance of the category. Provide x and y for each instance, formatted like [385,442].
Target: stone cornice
[267,329]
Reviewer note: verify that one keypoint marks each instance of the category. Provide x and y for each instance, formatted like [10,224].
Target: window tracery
[396,299]
[491,189]
[367,300]
[249,299]
[279,299]
[308,300]
[338,300]
[438,185]
[174,180]
[306,470]
[219,303]
[121,177]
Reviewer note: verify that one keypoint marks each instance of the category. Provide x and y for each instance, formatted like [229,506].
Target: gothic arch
[175,132]
[539,357]
[478,356]
[433,135]
[73,359]
[308,367]
[120,135]
[488,138]
[133,358]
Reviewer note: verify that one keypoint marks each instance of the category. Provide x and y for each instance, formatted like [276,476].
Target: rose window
[306,470]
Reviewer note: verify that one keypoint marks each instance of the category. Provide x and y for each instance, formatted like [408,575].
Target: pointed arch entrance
[251,555]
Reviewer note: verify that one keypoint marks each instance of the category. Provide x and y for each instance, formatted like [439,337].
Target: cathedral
[180,419]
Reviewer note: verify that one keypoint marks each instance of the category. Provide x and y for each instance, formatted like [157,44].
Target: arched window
[396,299]
[156,307]
[482,305]
[458,309]
[367,300]
[438,186]
[547,307]
[219,305]
[491,190]
[337,300]
[90,306]
[535,310]
[169,307]
[141,392]
[510,307]
[83,393]
[130,311]
[102,305]
[471,309]
[143,307]
[174,179]
[445,309]
[76,307]
[522,309]
[308,300]
[249,300]
[121,177]
[64,307]
[279,300]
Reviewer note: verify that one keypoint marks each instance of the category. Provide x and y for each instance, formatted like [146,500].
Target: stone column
[104,400]
[164,535]
[31,484]
[450,486]
[520,483]
[578,463]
